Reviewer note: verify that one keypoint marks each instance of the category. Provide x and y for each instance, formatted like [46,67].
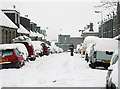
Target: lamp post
[101,21]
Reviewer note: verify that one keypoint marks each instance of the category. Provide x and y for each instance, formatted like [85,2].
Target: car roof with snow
[89,39]
[107,44]
[7,46]
[22,39]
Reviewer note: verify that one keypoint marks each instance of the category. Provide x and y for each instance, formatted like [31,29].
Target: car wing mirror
[21,53]
[110,68]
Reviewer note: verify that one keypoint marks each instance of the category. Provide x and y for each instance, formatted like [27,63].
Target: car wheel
[92,65]
[19,65]
[113,86]
[40,54]
[32,59]
[106,67]
[107,86]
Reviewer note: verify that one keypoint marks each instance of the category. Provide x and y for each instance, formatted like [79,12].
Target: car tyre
[113,86]
[92,65]
[32,59]
[19,65]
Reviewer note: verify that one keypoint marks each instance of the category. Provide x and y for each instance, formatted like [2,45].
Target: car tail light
[83,52]
[95,54]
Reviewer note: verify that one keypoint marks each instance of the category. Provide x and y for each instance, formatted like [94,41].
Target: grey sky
[68,16]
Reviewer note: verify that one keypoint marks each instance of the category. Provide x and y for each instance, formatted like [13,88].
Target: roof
[22,30]
[5,21]
[33,34]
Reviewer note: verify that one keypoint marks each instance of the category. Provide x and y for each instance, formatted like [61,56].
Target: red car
[11,57]
[30,49]
[27,42]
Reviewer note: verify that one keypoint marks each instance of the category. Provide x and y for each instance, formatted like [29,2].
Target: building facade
[111,27]
[8,29]
[7,34]
[64,41]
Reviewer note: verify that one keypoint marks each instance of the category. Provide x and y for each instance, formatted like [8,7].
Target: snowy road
[55,70]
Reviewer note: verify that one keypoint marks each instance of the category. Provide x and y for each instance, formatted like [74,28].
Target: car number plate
[3,60]
[106,61]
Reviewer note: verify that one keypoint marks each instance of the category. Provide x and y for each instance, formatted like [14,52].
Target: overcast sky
[69,16]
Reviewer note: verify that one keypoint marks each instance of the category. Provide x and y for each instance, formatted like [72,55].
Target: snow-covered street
[55,70]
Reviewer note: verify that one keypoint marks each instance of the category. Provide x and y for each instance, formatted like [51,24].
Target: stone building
[76,40]
[90,33]
[8,29]
[65,40]
[111,27]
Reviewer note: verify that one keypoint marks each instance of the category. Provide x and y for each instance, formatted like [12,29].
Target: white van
[88,40]
[101,52]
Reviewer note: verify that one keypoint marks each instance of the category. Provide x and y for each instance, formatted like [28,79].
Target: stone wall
[7,35]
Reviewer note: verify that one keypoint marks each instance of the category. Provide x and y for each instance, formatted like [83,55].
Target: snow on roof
[22,30]
[89,40]
[107,44]
[34,34]
[22,39]
[87,31]
[117,37]
[5,21]
[39,35]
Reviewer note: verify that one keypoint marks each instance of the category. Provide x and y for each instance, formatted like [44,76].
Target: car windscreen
[7,52]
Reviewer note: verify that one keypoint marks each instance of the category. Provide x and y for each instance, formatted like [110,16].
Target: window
[3,36]
[7,52]
[10,37]
[65,40]
[6,36]
[115,58]
[17,52]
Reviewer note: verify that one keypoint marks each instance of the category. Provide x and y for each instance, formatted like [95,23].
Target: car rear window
[7,52]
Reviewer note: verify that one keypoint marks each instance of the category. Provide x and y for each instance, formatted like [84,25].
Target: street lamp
[101,20]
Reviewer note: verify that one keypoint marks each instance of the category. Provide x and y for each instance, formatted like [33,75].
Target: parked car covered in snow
[10,56]
[61,50]
[21,47]
[88,40]
[112,74]
[88,50]
[28,44]
[78,48]
[101,52]
[52,49]
[46,50]
[37,48]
